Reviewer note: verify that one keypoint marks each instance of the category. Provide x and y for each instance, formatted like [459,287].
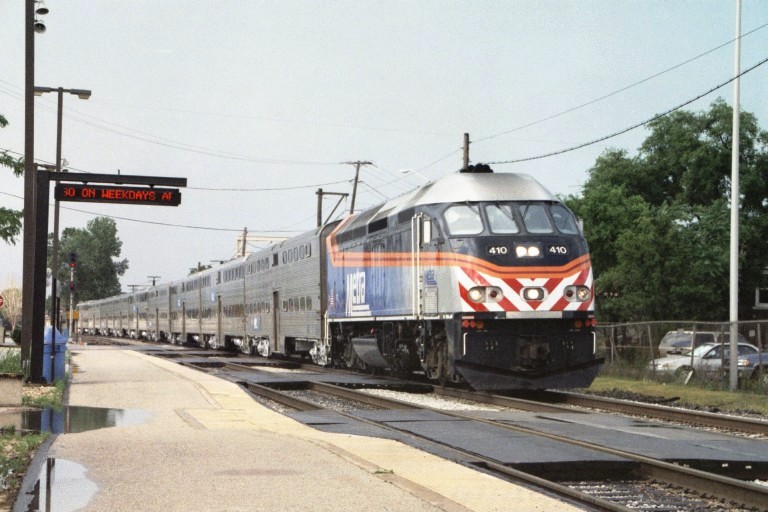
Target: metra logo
[356,288]
[356,293]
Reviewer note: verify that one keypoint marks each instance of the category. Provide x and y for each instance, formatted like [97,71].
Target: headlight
[528,251]
[577,293]
[743,362]
[485,294]
[476,294]
[534,293]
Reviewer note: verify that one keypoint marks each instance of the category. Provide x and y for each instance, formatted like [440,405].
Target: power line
[639,82]
[638,125]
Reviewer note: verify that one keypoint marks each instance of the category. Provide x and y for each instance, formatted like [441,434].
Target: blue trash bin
[47,361]
[55,349]
[60,360]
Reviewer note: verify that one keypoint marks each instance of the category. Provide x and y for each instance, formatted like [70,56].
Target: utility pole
[245,238]
[320,195]
[357,165]
[466,151]
[153,279]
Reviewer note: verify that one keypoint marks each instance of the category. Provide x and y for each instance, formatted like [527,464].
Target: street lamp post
[83,95]
[33,317]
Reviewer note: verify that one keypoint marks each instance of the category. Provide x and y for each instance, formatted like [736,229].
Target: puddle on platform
[61,487]
[72,419]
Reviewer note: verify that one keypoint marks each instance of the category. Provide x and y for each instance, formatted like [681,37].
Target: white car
[707,358]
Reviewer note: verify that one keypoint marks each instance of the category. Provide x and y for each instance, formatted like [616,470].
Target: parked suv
[680,341]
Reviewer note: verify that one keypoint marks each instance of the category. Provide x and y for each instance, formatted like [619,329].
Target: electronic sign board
[117,194]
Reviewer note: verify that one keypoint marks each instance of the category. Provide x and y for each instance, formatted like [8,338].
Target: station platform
[192,441]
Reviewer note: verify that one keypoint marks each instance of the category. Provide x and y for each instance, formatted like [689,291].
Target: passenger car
[754,366]
[707,358]
[680,341]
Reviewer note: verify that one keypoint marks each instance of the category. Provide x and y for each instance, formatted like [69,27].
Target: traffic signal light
[72,259]
[71,286]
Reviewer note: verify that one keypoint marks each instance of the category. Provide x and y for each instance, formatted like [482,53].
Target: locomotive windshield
[509,219]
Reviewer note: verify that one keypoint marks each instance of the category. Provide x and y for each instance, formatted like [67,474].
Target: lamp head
[41,7]
[39,27]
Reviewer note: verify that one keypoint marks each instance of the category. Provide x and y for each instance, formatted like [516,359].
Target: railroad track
[659,484]
[551,401]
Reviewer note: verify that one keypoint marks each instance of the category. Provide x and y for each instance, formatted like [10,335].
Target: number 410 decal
[558,249]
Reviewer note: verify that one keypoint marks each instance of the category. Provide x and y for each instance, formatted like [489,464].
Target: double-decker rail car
[479,277]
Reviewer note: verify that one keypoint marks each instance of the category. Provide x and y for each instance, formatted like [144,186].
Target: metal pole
[71,320]
[466,151]
[28,280]
[319,207]
[734,257]
[55,252]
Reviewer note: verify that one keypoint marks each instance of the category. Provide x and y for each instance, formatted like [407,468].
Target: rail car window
[535,218]
[501,218]
[564,220]
[463,220]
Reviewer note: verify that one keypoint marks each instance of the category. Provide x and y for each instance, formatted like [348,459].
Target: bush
[16,335]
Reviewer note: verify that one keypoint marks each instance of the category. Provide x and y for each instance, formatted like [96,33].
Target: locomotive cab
[478,277]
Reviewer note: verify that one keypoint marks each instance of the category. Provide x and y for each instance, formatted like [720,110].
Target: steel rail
[565,401]
[739,424]
[745,493]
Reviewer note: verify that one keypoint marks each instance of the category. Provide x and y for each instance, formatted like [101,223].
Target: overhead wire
[633,127]
[635,84]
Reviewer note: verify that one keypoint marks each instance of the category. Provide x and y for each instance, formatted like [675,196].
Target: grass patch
[738,401]
[10,362]
[16,453]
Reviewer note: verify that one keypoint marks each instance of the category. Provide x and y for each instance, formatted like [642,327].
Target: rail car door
[157,324]
[275,320]
[421,234]
[183,322]
[219,332]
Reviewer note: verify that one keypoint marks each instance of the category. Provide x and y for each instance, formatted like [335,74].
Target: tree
[200,267]
[10,220]
[658,223]
[96,272]
[12,304]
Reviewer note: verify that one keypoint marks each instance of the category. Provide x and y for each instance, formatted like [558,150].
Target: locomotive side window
[463,220]
[564,220]
[535,219]
[501,218]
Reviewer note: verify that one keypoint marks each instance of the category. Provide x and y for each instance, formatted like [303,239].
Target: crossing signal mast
[72,265]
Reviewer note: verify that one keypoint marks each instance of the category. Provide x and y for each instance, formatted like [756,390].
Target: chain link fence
[691,353]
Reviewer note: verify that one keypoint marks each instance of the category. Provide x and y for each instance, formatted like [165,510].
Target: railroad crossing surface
[204,444]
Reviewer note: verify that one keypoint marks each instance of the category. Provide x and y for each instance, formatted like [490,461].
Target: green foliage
[16,454]
[10,220]
[658,224]
[10,362]
[96,273]
[200,267]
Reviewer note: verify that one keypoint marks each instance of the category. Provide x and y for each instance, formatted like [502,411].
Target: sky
[260,104]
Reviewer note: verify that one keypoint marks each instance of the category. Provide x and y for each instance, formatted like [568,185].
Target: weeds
[10,362]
